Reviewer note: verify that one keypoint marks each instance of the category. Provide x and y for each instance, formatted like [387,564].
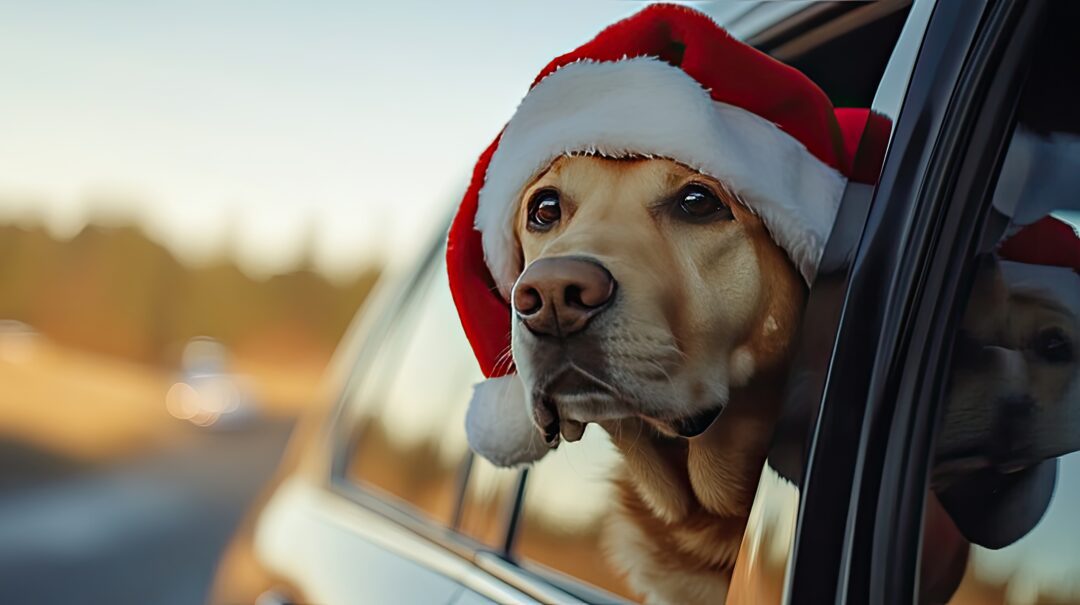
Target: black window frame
[990,93]
[859,529]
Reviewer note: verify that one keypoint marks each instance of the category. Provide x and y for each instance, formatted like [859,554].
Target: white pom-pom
[499,426]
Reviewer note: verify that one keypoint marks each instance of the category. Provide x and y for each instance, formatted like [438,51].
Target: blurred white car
[206,394]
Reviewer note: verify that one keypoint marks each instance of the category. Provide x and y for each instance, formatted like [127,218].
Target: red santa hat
[666,82]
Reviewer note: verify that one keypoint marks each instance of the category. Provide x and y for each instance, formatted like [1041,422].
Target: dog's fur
[704,319]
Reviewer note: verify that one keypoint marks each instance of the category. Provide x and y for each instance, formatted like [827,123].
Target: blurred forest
[112,290]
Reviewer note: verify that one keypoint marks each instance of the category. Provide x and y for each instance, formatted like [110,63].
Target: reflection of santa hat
[666,82]
[1048,241]
[1045,257]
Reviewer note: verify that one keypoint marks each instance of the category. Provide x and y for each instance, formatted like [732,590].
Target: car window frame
[871,541]
[872,312]
[807,414]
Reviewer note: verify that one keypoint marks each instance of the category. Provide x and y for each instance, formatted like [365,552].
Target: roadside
[148,531]
[107,498]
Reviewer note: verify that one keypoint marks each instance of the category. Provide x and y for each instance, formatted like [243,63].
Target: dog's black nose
[558,296]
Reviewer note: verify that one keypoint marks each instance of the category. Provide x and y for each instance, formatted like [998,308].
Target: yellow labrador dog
[655,304]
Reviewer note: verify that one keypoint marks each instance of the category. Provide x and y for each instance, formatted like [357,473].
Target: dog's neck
[715,473]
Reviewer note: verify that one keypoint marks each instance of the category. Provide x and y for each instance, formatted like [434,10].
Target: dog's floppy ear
[994,510]
[499,426]
[987,309]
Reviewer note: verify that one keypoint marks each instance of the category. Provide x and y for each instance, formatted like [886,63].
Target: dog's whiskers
[504,360]
[663,372]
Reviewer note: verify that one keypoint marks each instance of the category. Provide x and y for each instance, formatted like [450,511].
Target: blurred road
[148,531]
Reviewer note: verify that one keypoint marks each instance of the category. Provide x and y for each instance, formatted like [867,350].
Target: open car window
[405,408]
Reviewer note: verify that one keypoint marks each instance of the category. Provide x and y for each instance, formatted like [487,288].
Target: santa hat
[666,82]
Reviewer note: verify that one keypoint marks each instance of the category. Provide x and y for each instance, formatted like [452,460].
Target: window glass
[569,495]
[407,412]
[1001,523]
[488,502]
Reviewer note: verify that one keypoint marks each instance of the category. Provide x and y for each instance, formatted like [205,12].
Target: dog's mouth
[958,463]
[575,397]
[1001,447]
[687,426]
[574,389]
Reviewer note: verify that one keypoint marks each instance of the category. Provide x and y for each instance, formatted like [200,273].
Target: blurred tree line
[115,291]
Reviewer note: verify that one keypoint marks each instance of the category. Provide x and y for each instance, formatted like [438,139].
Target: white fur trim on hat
[499,426]
[643,106]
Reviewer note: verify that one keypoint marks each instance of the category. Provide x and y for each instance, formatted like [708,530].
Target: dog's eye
[699,204]
[1053,345]
[544,209]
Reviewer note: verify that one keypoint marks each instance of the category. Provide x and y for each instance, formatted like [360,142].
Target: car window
[1000,522]
[406,410]
[407,407]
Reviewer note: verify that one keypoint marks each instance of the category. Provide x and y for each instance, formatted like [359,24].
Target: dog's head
[648,291]
[1015,398]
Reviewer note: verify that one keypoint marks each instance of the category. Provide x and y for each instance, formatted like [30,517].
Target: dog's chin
[566,403]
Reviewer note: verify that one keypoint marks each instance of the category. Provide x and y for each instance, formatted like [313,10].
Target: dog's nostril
[590,295]
[527,300]
[572,296]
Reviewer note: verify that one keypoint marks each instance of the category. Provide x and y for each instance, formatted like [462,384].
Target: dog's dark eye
[699,204]
[1053,345]
[544,209]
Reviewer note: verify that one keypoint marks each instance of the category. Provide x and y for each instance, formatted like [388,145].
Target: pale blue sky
[262,122]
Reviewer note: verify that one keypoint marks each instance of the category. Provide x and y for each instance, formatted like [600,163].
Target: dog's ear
[994,510]
[988,303]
